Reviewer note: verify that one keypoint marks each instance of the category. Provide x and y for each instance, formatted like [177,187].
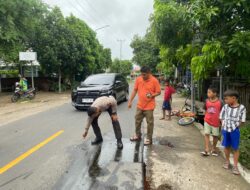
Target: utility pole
[221,83]
[192,93]
[121,42]
[32,74]
[192,79]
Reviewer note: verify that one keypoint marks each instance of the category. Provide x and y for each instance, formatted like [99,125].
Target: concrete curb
[245,173]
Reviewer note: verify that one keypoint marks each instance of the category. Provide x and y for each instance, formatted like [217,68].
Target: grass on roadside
[245,146]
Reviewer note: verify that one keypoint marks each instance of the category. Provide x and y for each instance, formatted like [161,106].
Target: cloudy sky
[124,17]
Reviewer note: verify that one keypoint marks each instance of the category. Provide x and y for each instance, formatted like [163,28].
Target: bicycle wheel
[186,121]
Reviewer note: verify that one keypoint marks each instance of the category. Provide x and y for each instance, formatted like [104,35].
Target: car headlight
[106,91]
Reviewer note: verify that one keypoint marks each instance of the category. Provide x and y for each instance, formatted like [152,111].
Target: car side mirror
[118,82]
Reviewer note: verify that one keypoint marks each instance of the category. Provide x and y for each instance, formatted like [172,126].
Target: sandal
[226,165]
[135,138]
[214,153]
[236,171]
[205,153]
[147,142]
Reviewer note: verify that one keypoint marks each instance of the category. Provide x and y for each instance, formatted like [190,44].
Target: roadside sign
[27,56]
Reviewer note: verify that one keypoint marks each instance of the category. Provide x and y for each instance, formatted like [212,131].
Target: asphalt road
[46,151]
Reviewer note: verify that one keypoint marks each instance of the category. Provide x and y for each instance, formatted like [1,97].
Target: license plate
[87,100]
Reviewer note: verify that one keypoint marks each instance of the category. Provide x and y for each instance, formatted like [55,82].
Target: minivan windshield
[99,80]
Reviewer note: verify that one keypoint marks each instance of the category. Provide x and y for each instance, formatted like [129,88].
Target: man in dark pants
[100,105]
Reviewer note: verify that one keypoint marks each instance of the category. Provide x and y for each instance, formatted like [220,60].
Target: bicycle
[187,117]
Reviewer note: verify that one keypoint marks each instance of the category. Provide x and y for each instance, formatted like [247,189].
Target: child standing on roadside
[232,116]
[212,121]
[169,90]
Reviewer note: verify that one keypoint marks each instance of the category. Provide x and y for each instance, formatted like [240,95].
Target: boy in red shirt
[169,90]
[212,121]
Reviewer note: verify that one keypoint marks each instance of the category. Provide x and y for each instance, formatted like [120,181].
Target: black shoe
[97,141]
[119,144]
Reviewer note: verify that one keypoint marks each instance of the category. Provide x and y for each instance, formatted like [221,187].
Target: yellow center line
[29,152]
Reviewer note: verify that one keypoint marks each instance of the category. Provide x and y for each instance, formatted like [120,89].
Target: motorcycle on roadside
[20,94]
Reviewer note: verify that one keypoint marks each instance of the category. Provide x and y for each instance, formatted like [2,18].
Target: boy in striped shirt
[232,116]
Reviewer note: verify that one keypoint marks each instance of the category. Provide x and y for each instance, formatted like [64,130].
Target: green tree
[69,48]
[210,59]
[146,51]
[88,54]
[65,46]
[124,67]
[165,66]
[193,28]
[18,21]
[239,50]
[83,51]
[53,44]
[171,24]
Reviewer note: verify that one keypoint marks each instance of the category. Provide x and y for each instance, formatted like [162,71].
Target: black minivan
[100,85]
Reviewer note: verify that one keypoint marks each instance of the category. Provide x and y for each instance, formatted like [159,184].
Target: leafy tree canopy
[121,66]
[65,46]
[146,51]
[205,35]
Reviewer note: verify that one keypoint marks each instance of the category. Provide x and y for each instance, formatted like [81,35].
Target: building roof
[4,64]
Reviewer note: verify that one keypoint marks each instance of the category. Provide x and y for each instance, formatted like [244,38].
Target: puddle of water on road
[89,164]
[164,142]
[108,153]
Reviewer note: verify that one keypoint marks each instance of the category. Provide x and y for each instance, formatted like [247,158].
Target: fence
[241,85]
[41,83]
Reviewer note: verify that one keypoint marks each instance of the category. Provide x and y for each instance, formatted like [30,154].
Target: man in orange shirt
[147,87]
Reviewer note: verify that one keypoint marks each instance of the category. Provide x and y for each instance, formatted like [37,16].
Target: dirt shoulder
[174,160]
[10,112]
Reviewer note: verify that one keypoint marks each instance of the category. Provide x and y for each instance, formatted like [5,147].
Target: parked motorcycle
[19,94]
[183,88]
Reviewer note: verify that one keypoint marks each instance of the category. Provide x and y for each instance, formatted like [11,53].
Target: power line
[106,19]
[84,9]
[109,21]
[102,20]
[97,13]
[106,26]
[79,12]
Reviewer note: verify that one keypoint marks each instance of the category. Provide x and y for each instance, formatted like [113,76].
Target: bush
[55,87]
[75,84]
[245,146]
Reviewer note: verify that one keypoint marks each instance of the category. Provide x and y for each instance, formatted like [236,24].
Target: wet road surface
[46,151]
[104,167]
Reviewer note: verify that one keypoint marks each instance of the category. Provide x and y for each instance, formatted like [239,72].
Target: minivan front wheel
[126,97]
